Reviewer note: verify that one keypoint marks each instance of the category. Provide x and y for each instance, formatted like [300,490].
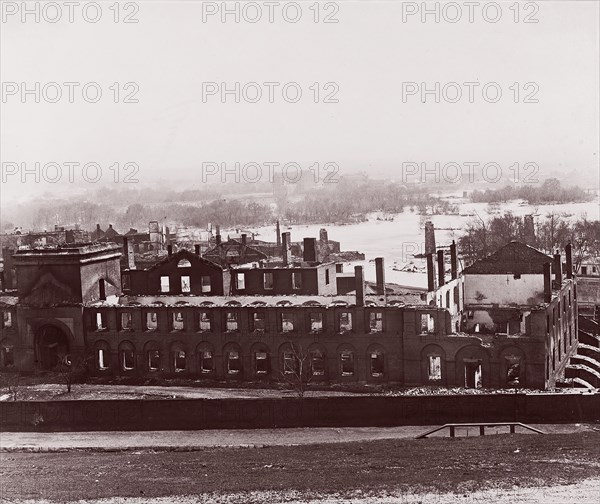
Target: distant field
[361,471]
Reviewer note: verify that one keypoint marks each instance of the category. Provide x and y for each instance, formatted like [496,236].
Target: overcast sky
[369,53]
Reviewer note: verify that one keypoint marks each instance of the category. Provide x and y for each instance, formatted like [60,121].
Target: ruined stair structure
[583,370]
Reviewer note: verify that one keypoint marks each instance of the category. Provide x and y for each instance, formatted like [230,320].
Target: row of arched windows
[230,361]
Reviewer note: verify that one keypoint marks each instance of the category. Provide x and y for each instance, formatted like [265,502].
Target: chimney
[359,285]
[529,229]
[323,235]
[441,272]
[128,249]
[569,266]
[380,275]
[547,283]
[197,250]
[453,260]
[286,251]
[170,250]
[278,232]
[3,287]
[97,227]
[218,239]
[310,250]
[557,267]
[429,238]
[244,239]
[430,274]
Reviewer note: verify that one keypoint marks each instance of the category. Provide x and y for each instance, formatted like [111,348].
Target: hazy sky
[369,53]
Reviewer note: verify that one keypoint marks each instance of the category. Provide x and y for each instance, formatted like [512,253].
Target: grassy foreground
[460,465]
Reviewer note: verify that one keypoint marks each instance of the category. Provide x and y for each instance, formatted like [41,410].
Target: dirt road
[190,440]
[558,468]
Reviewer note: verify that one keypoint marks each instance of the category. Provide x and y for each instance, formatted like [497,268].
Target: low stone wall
[192,414]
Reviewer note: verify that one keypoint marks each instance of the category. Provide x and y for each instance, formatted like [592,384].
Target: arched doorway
[52,344]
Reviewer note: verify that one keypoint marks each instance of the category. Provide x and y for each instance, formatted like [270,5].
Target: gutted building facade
[479,328]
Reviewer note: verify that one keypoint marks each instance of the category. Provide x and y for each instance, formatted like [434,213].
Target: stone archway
[51,344]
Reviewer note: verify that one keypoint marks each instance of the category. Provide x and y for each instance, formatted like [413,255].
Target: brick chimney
[310,250]
[244,239]
[547,283]
[198,250]
[359,285]
[429,238]
[529,229]
[278,232]
[286,251]
[557,267]
[569,266]
[430,274]
[128,250]
[380,275]
[218,234]
[453,260]
[170,250]
[441,268]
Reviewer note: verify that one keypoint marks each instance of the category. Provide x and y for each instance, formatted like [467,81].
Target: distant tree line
[346,202]
[343,202]
[551,191]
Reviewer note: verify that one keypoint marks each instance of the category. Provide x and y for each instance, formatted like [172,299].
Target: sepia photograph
[300,252]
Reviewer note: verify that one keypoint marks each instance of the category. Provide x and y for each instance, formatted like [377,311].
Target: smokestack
[128,250]
[430,274]
[170,250]
[197,249]
[244,239]
[310,250]
[359,285]
[380,275]
[278,231]
[569,254]
[441,272]
[529,229]
[166,237]
[429,238]
[218,234]
[453,260]
[286,251]
[547,283]
[557,267]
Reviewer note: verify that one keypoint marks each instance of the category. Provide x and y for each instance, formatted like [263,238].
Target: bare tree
[71,370]
[297,367]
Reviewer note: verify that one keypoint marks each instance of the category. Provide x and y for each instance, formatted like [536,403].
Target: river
[398,239]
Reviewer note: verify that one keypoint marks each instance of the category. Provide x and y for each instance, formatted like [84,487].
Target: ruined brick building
[502,322]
